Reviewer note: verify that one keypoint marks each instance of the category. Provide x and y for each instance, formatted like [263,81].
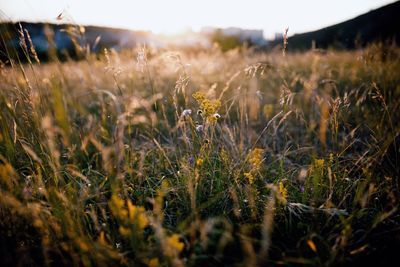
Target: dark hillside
[377,25]
[67,40]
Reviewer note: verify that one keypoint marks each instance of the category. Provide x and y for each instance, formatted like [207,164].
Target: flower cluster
[137,215]
[208,108]
[174,243]
[130,216]
[254,158]
[249,176]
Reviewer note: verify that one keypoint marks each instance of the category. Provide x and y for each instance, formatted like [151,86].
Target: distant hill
[66,39]
[381,24]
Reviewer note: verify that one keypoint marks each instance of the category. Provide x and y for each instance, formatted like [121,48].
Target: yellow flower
[137,215]
[174,243]
[124,231]
[319,163]
[117,206]
[283,191]
[208,107]
[199,96]
[255,158]
[153,262]
[249,177]
[128,215]
[102,239]
[199,162]
[83,245]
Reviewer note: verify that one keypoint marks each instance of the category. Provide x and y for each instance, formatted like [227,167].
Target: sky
[173,16]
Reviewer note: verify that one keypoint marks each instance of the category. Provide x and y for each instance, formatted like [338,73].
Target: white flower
[186,112]
[199,128]
[217,116]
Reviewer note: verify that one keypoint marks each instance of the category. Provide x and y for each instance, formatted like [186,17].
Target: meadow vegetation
[153,157]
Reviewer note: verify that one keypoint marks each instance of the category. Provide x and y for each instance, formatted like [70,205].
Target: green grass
[99,167]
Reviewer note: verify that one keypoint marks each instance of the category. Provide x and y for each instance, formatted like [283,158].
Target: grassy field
[180,158]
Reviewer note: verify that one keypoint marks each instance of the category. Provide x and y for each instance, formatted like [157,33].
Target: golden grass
[280,160]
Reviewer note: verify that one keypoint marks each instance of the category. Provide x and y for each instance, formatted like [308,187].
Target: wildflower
[208,107]
[283,190]
[186,113]
[199,162]
[199,96]
[117,206]
[154,262]
[124,231]
[302,188]
[174,243]
[133,214]
[137,215]
[102,239]
[255,158]
[191,160]
[249,177]
[83,245]
[319,163]
[214,117]
[199,128]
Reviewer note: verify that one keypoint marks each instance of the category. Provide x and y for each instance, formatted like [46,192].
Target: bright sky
[172,16]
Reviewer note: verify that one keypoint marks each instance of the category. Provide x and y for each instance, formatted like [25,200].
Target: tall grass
[160,158]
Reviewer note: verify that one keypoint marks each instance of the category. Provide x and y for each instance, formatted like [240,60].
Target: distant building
[278,36]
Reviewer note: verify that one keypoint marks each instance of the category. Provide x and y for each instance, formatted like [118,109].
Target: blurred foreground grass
[159,158]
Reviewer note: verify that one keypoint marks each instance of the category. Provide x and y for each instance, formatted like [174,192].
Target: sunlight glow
[174,16]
